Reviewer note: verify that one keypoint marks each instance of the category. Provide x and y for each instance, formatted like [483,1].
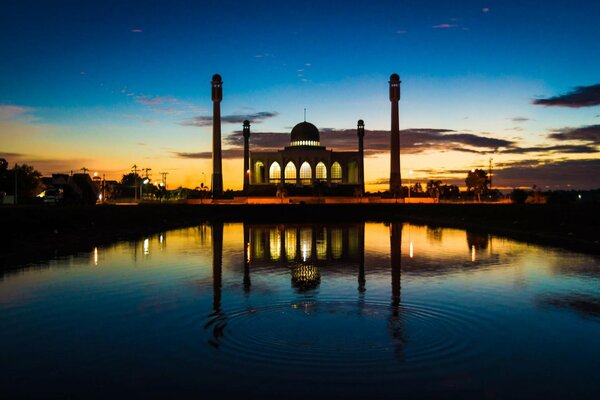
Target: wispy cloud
[137,30]
[519,119]
[581,96]
[226,153]
[206,120]
[10,111]
[444,26]
[155,100]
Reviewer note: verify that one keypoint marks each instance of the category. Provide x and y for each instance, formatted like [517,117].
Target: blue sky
[83,78]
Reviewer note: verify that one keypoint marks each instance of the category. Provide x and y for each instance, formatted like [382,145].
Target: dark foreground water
[305,311]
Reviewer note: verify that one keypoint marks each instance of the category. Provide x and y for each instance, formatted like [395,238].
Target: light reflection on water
[356,310]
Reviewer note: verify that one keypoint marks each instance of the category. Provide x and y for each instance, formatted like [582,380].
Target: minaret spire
[395,181]
[217,177]
[360,132]
[246,131]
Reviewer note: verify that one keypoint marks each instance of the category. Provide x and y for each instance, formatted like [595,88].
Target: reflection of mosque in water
[307,250]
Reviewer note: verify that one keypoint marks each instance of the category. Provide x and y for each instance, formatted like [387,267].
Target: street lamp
[409,176]
[144,182]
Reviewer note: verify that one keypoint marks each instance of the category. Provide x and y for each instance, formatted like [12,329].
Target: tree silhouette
[28,179]
[477,182]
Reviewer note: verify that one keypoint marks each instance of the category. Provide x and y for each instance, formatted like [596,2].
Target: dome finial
[304,114]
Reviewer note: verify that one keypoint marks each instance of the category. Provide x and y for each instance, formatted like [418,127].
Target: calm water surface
[305,311]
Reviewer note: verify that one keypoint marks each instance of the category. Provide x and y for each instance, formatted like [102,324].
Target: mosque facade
[305,163]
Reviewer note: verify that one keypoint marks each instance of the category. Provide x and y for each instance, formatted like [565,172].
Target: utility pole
[164,179]
[490,173]
[103,188]
[146,170]
[16,186]
[135,170]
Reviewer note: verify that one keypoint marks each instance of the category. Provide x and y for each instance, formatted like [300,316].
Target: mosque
[305,166]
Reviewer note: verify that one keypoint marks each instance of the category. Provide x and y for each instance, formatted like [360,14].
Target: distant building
[73,189]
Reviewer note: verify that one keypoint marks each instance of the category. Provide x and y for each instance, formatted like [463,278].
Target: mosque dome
[305,134]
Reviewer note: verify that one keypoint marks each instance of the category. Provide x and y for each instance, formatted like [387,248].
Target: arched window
[321,171]
[336,172]
[305,173]
[275,172]
[259,172]
[290,173]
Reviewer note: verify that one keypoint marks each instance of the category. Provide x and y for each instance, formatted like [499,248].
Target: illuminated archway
[336,172]
[290,173]
[275,172]
[321,171]
[305,173]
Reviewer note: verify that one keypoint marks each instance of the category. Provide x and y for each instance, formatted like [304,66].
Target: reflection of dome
[305,276]
[305,134]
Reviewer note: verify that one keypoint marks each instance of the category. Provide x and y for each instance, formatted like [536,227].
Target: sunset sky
[109,84]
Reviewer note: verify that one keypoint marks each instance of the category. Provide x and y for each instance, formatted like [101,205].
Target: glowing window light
[290,243]
[336,172]
[336,243]
[306,243]
[146,246]
[290,172]
[275,172]
[322,244]
[321,171]
[305,173]
[275,243]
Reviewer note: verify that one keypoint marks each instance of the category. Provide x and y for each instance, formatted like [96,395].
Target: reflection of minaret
[217,247]
[395,182]
[246,156]
[217,96]
[217,319]
[360,131]
[361,259]
[395,321]
[395,254]
[247,282]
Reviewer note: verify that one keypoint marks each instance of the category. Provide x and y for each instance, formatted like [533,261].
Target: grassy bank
[35,233]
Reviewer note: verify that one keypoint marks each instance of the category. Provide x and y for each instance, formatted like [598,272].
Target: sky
[106,85]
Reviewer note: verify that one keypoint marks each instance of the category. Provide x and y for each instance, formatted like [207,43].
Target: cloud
[444,26]
[590,134]
[560,173]
[581,96]
[206,120]
[226,153]
[137,30]
[10,111]
[155,100]
[412,141]
[519,119]
[10,155]
[565,148]
[485,10]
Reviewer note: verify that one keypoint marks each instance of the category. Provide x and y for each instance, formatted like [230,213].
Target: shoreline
[32,234]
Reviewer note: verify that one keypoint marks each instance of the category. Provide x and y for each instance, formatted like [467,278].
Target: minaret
[360,132]
[395,182]
[246,156]
[217,176]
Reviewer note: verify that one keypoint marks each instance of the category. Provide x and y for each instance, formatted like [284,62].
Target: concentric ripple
[346,335]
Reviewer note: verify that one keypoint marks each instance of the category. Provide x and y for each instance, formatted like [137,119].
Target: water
[352,310]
